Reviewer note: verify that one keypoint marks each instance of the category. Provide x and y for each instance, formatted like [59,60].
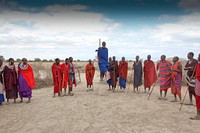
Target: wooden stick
[152,90]
[99,42]
[183,100]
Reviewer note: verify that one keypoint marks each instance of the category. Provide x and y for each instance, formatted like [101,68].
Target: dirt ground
[100,111]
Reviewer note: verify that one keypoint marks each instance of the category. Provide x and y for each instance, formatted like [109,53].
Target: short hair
[191,53]
[10,59]
[66,59]
[176,57]
[57,59]
[24,59]
[104,43]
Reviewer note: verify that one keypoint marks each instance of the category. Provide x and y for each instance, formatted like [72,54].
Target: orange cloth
[57,79]
[150,76]
[89,71]
[65,75]
[176,79]
[123,69]
[28,76]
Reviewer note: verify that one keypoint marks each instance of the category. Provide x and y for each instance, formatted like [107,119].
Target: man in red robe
[57,76]
[26,80]
[197,90]
[65,75]
[10,81]
[150,76]
[176,79]
[123,71]
[190,67]
[89,73]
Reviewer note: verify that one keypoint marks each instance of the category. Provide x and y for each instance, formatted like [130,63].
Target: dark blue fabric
[122,82]
[103,59]
[1,98]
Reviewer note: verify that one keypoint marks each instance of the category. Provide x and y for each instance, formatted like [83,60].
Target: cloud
[55,29]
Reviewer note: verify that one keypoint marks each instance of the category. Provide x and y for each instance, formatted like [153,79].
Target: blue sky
[48,29]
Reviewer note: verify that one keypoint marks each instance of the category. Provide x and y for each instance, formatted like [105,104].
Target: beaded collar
[22,66]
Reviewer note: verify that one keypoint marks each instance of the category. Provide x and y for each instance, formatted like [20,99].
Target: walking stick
[152,90]
[183,100]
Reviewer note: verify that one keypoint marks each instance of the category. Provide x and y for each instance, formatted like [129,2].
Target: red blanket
[123,69]
[56,73]
[89,71]
[149,73]
[28,76]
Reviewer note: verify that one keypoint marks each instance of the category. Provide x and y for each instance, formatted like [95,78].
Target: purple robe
[24,89]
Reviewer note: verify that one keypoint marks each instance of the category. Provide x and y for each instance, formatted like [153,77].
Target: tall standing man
[190,67]
[150,76]
[164,68]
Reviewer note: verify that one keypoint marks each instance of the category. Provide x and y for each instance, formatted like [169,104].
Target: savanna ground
[98,111]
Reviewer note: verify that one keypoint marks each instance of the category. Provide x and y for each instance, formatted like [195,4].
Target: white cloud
[54,29]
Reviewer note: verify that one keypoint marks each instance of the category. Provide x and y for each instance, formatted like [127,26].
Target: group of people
[168,74]
[17,83]
[64,76]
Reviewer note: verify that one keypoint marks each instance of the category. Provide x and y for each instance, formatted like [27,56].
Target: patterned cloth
[164,68]
[176,80]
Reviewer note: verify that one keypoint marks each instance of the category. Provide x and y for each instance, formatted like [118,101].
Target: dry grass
[43,74]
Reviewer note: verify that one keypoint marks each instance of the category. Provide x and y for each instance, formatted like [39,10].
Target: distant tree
[78,60]
[44,60]
[1,57]
[18,60]
[50,60]
[37,60]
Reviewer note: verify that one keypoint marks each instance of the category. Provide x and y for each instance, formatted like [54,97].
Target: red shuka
[149,73]
[65,75]
[28,76]
[89,73]
[57,79]
[123,69]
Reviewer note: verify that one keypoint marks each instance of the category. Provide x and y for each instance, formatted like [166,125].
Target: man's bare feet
[196,118]
[28,101]
[160,98]
[189,103]
[165,98]
[174,100]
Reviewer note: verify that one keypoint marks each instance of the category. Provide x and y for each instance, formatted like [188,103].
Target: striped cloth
[164,74]
[197,88]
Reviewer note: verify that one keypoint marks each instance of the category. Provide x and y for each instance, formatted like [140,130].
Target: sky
[49,29]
